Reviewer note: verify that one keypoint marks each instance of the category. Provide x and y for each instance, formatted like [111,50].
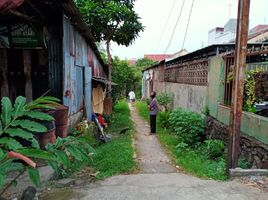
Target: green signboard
[21,36]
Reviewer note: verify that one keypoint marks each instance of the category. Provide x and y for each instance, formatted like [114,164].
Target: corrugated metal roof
[72,11]
[6,5]
[206,52]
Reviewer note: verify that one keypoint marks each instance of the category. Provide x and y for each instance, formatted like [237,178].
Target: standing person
[131,95]
[153,107]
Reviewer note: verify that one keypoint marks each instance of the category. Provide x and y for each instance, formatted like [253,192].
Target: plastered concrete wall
[253,125]
[215,92]
[189,97]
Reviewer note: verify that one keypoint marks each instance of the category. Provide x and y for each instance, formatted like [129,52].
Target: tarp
[6,5]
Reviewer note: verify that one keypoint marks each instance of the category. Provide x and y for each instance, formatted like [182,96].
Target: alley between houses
[159,179]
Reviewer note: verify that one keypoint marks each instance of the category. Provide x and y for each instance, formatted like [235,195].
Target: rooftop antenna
[229,10]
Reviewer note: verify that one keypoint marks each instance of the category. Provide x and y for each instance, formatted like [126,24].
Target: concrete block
[248,172]
[66,182]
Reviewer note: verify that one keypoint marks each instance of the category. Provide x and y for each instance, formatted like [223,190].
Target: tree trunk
[109,91]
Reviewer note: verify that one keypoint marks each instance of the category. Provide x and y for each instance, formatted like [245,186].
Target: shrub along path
[158,179]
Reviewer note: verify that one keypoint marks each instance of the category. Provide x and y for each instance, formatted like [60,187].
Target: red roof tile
[157,57]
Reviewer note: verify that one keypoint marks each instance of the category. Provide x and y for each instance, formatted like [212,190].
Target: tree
[142,63]
[123,76]
[111,20]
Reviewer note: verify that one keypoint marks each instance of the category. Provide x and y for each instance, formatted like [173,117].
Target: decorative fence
[192,73]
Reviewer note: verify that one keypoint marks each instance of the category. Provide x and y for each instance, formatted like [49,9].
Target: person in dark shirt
[153,107]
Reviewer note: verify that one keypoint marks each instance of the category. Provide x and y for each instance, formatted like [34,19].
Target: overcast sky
[206,15]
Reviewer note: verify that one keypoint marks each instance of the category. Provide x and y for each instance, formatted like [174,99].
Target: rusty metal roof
[71,9]
[42,7]
[6,5]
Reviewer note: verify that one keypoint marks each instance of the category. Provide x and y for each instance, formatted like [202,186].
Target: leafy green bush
[163,119]
[188,125]
[20,121]
[165,100]
[181,147]
[242,163]
[214,148]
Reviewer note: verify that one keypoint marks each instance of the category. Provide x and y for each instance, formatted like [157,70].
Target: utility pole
[238,83]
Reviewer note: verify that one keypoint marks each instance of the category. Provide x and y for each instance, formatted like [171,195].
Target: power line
[166,23]
[175,26]
[188,22]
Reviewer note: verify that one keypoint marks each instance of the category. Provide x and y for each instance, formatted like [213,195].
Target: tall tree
[111,20]
[142,63]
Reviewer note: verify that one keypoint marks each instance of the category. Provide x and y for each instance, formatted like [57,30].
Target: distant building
[132,61]
[258,34]
[227,34]
[222,35]
[157,57]
[178,54]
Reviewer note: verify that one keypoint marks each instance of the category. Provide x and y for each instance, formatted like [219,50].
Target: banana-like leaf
[53,165]
[6,110]
[19,105]
[34,176]
[2,179]
[63,158]
[18,132]
[50,98]
[10,143]
[74,152]
[35,143]
[2,155]
[15,166]
[1,127]
[38,115]
[30,125]
[37,153]
[84,140]
[40,106]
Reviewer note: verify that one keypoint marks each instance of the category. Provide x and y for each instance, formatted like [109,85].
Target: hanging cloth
[97,100]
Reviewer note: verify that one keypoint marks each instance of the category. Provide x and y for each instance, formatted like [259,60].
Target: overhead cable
[167,20]
[188,22]
[175,26]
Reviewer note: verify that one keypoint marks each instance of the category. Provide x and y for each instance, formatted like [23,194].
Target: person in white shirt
[131,95]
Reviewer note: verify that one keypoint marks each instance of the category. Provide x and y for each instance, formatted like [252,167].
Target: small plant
[165,100]
[242,163]
[163,118]
[206,111]
[214,148]
[181,147]
[250,96]
[20,122]
[17,125]
[188,125]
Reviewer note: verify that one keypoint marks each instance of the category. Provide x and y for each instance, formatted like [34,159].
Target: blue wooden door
[88,91]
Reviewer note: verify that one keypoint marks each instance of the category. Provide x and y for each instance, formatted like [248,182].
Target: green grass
[116,156]
[143,110]
[191,161]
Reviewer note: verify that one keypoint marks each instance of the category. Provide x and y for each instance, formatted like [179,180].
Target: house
[157,57]
[258,34]
[199,82]
[227,34]
[222,35]
[46,48]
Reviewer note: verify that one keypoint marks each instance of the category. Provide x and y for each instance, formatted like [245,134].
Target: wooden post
[27,72]
[238,83]
[4,73]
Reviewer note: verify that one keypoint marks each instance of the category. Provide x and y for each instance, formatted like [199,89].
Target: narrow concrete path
[151,157]
[158,179]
